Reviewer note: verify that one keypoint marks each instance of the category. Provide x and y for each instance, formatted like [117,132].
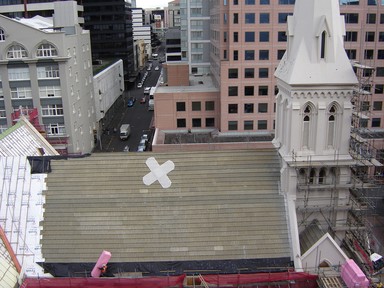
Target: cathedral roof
[219,206]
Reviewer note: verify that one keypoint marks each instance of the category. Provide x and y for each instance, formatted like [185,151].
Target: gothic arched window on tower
[312,175]
[302,176]
[332,117]
[307,120]
[322,176]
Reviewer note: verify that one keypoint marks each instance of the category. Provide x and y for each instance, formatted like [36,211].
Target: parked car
[131,101]
[147,90]
[142,145]
[144,136]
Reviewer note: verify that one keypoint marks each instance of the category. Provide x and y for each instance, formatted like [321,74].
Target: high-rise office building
[240,43]
[110,23]
[195,35]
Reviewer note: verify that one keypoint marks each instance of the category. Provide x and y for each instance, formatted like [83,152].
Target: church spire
[315,52]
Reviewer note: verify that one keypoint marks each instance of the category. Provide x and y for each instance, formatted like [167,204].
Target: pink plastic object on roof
[353,276]
[103,259]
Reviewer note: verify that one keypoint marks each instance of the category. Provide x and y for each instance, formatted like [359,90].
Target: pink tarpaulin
[353,276]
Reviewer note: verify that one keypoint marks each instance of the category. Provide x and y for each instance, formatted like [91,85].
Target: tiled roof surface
[221,205]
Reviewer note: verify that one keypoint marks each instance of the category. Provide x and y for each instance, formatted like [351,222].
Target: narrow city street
[137,116]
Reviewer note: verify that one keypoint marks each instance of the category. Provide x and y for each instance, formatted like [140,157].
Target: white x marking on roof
[158,172]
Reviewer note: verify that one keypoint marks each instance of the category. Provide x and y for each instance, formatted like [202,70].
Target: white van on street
[125,131]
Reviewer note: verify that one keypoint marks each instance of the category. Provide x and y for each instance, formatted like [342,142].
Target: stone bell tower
[313,120]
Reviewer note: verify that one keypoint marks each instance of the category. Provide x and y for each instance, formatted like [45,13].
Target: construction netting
[257,280]
[261,280]
[145,282]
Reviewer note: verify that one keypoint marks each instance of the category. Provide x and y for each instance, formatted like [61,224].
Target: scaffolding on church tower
[365,177]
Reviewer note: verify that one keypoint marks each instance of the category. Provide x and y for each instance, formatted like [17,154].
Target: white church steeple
[313,120]
[315,52]
[315,81]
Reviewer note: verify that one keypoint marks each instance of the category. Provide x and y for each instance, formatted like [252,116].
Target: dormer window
[16,52]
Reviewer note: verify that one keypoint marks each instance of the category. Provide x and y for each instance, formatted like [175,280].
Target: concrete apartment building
[31,8]
[174,19]
[46,74]
[240,43]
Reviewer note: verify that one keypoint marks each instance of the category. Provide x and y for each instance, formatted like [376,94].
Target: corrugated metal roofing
[8,272]
[221,205]
[21,210]
[23,139]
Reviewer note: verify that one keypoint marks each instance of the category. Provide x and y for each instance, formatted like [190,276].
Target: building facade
[46,74]
[174,14]
[248,40]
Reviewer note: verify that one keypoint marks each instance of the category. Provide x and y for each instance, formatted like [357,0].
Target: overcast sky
[152,3]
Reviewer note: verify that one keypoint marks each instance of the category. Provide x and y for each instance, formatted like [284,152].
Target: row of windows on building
[53,129]
[251,55]
[44,92]
[18,52]
[250,36]
[262,2]
[232,108]
[26,92]
[50,71]
[322,175]
[46,110]
[264,18]
[292,2]
[233,73]
[232,125]
[264,36]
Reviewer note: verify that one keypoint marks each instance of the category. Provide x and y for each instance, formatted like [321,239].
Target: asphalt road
[138,116]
